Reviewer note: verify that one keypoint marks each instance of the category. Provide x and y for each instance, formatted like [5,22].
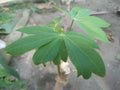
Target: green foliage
[7,70]
[7,21]
[5,17]
[78,13]
[15,6]
[118,56]
[53,44]
[8,27]
[55,22]
[90,24]
[5,77]
[6,24]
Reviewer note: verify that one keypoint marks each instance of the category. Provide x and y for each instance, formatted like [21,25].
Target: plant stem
[70,28]
[59,9]
[58,67]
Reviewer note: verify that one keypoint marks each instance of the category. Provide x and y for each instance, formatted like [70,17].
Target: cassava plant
[53,43]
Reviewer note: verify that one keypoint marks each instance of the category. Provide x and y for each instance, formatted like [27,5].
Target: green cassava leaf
[54,25]
[90,24]
[93,31]
[97,21]
[48,52]
[35,29]
[85,59]
[77,13]
[55,22]
[82,39]
[63,51]
[57,60]
[31,42]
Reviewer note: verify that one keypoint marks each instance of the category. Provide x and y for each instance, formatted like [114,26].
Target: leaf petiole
[70,28]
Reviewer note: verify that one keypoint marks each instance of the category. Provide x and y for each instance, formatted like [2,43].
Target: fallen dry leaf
[44,6]
[110,37]
[94,3]
[6,9]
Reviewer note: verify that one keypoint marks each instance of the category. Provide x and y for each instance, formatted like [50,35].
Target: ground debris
[5,9]
[2,44]
[44,6]
[110,37]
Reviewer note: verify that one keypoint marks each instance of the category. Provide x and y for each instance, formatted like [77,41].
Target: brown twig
[117,11]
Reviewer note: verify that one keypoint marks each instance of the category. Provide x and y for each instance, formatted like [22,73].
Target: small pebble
[2,44]
[118,11]
[108,65]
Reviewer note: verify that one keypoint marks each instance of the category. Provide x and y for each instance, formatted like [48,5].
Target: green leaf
[93,31]
[63,51]
[85,59]
[90,24]
[31,42]
[82,40]
[7,27]
[77,13]
[6,70]
[57,60]
[5,17]
[95,20]
[2,71]
[48,52]
[55,22]
[54,25]
[35,29]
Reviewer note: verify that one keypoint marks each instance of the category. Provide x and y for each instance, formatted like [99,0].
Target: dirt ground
[43,78]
